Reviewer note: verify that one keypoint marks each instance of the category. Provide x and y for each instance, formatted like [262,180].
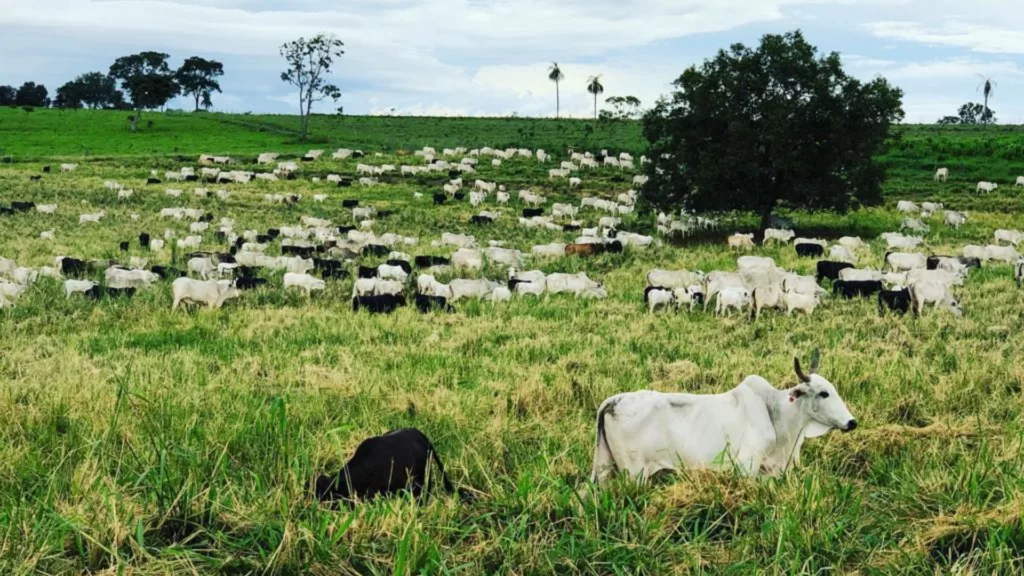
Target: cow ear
[799,392]
[815,429]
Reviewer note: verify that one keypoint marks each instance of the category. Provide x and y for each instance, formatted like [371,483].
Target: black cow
[807,250]
[191,178]
[246,272]
[124,246]
[367,272]
[208,217]
[358,154]
[166,272]
[273,232]
[401,264]
[618,178]
[264,238]
[384,466]
[144,240]
[895,300]
[570,228]
[852,288]
[220,236]
[35,178]
[72,267]
[428,261]
[970,262]
[349,203]
[440,199]
[93,293]
[481,220]
[225,258]
[384,214]
[249,283]
[46,169]
[613,247]
[933,261]
[327,264]
[4,211]
[302,251]
[829,269]
[460,196]
[345,229]
[121,292]
[152,181]
[384,304]
[427,304]
[531,212]
[345,183]
[376,250]
[23,206]
[453,174]
[308,158]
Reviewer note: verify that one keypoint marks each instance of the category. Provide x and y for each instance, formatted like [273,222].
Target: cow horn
[800,373]
[815,358]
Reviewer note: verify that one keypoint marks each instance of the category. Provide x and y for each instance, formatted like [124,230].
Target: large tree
[555,75]
[752,129]
[68,96]
[198,79]
[8,95]
[146,79]
[309,63]
[32,94]
[595,87]
[94,89]
[971,113]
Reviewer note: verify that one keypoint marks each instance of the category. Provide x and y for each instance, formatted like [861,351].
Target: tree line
[137,82]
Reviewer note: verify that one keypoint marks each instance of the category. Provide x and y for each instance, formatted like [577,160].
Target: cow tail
[885,260]
[753,303]
[602,452]
[881,305]
[465,495]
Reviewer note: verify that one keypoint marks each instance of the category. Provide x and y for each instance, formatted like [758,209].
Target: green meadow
[139,440]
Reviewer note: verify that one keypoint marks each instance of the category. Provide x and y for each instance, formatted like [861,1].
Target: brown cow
[584,249]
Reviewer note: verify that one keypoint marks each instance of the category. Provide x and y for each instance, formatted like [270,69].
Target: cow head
[819,401]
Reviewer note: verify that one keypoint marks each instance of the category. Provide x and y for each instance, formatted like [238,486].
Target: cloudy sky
[487,57]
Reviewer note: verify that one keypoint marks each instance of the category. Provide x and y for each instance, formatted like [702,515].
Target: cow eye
[823,395]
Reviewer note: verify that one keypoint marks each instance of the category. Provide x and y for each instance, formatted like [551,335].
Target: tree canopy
[971,113]
[309,63]
[93,90]
[146,79]
[32,94]
[753,129]
[8,95]
[198,79]
[623,108]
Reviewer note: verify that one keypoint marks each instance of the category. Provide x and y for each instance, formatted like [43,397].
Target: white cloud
[960,34]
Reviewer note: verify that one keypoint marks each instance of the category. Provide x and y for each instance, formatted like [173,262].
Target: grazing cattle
[1018,272]
[849,289]
[166,272]
[462,288]
[504,256]
[674,278]
[809,250]
[427,303]
[386,465]
[389,272]
[376,250]
[806,285]
[1010,236]
[931,206]
[378,304]
[854,274]
[121,278]
[953,278]
[656,297]
[853,243]
[783,236]
[806,303]
[940,294]
[1019,183]
[584,249]
[429,261]
[123,246]
[902,261]
[914,224]
[986,187]
[152,181]
[68,167]
[753,429]
[77,287]
[480,220]
[532,212]
[23,206]
[213,293]
[467,259]
[955,219]
[842,254]
[304,282]
[367,272]
[144,240]
[907,207]
[350,203]
[763,297]
[896,300]
[577,284]
[94,218]
[738,298]
[249,283]
[941,175]
[741,241]
[1001,253]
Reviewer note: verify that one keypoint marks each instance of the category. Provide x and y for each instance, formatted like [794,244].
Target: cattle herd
[760,427]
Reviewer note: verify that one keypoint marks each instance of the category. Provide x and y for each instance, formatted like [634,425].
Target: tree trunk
[595,106]
[558,101]
[135,119]
[197,101]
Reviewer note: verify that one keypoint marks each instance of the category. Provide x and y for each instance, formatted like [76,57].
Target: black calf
[895,300]
[376,250]
[850,288]
[440,199]
[830,270]
[23,206]
[428,261]
[152,181]
[481,220]
[124,246]
[810,250]
[531,212]
[144,240]
[427,304]
[166,272]
[349,203]
[367,272]
[384,304]
[249,283]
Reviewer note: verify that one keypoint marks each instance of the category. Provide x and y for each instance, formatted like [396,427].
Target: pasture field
[137,440]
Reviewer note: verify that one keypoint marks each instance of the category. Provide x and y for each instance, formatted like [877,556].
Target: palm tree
[988,86]
[594,87]
[556,76]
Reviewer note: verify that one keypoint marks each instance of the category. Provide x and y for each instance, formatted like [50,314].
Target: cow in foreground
[384,466]
[213,293]
[754,428]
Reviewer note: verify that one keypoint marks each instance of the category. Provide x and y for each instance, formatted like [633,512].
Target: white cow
[741,241]
[753,429]
[463,288]
[94,218]
[46,208]
[304,282]
[1001,253]
[68,167]
[120,278]
[955,219]
[577,284]
[204,267]
[738,298]
[941,175]
[986,187]
[907,207]
[903,261]
[939,293]
[213,293]
[1011,236]
[859,275]
[1019,183]
[77,287]
[467,259]
[842,254]
[674,278]
[552,250]
[783,236]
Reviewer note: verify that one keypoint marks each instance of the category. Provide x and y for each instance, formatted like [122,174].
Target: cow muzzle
[850,426]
